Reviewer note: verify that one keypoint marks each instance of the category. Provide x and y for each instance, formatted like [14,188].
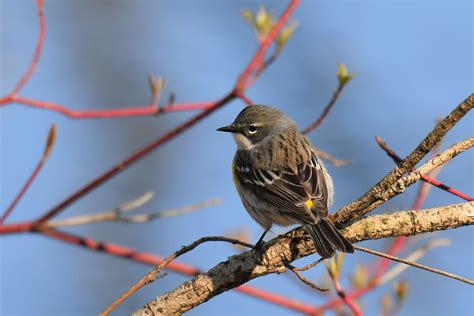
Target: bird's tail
[327,239]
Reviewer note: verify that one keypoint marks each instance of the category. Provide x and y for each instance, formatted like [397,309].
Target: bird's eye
[252,129]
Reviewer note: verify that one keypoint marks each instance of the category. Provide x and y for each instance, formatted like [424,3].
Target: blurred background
[414,64]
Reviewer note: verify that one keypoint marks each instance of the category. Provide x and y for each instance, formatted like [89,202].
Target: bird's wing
[302,195]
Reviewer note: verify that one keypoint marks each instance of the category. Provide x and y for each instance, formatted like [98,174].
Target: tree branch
[401,184]
[295,244]
[427,179]
[372,199]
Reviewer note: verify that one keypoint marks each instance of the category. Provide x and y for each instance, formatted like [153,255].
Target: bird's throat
[243,143]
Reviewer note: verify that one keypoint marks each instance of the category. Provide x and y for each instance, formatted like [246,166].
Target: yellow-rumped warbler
[280,179]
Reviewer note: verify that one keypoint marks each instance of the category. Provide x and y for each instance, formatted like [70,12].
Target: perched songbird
[280,179]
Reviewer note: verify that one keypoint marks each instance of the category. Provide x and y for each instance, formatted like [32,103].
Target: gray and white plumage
[280,179]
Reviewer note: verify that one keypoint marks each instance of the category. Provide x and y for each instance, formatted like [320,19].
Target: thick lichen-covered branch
[241,268]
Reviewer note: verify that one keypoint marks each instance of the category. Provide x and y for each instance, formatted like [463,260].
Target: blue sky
[414,63]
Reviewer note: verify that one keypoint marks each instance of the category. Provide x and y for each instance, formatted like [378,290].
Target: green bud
[286,34]
[343,75]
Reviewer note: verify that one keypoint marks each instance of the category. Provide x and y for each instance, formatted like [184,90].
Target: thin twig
[416,265]
[153,275]
[241,95]
[263,66]
[309,266]
[350,304]
[179,211]
[118,214]
[425,188]
[333,161]
[171,99]
[46,153]
[38,49]
[333,267]
[300,276]
[414,256]
[326,110]
[256,60]
[145,110]
[109,215]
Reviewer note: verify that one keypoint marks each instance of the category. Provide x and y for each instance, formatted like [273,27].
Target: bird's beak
[230,129]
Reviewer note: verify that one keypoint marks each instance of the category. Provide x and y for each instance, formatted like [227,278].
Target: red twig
[244,98]
[257,59]
[326,110]
[340,292]
[20,194]
[110,113]
[178,107]
[17,228]
[182,268]
[47,151]
[428,179]
[37,54]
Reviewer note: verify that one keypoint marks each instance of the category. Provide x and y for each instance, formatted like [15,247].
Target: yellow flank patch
[234,174]
[309,203]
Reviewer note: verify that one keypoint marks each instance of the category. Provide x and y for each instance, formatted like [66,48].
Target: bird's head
[256,123]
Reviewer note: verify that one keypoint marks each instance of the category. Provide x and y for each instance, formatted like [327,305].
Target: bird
[280,178]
